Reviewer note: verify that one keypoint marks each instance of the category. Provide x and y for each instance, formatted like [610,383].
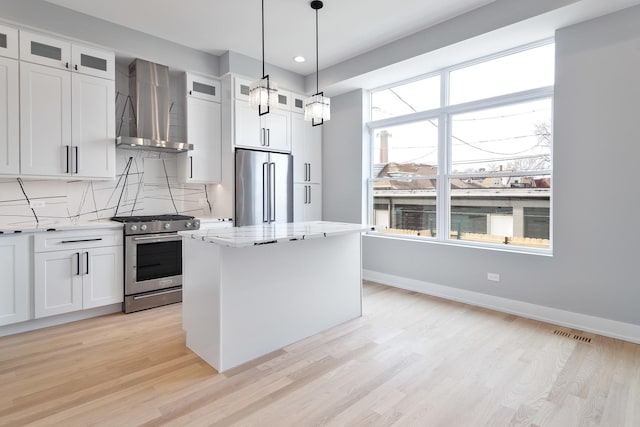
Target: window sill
[462,244]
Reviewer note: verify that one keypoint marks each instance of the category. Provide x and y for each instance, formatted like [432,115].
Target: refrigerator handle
[272,199]
[265,192]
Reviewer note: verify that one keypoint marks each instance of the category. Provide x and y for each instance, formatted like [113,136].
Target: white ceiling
[346,27]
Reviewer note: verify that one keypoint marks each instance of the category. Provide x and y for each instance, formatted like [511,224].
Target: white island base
[242,302]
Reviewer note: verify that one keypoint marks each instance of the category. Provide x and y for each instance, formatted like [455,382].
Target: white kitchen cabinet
[93,130]
[204,131]
[8,42]
[45,120]
[268,132]
[307,202]
[15,279]
[9,117]
[77,270]
[297,103]
[45,50]
[67,118]
[306,147]
[93,62]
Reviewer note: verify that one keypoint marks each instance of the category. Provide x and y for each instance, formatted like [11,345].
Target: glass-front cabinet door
[8,42]
[93,62]
[44,50]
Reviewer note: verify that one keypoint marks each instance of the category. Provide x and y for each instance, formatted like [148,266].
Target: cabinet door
[45,50]
[9,117]
[297,103]
[93,127]
[15,279]
[93,62]
[242,88]
[313,211]
[276,124]
[8,42]
[306,147]
[57,283]
[45,120]
[248,132]
[284,100]
[204,132]
[203,88]
[102,276]
[307,202]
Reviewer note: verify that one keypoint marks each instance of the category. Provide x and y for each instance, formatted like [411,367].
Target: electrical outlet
[494,277]
[36,204]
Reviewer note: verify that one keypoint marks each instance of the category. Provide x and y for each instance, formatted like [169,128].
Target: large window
[474,166]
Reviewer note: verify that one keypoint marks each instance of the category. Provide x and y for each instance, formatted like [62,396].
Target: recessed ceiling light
[299,58]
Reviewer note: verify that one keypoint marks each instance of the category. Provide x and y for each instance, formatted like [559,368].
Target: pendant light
[317,107]
[263,92]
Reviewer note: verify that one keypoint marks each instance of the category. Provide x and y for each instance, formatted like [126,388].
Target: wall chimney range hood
[149,124]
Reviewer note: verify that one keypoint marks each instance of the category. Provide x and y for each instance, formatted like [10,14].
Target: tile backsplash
[145,184]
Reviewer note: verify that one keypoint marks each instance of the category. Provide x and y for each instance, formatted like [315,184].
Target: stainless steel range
[153,259]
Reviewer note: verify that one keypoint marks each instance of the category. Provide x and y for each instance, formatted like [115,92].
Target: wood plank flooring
[411,360]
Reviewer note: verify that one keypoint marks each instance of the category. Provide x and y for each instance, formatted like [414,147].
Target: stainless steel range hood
[149,91]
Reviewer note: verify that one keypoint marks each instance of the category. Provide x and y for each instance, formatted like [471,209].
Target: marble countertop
[58,226]
[273,233]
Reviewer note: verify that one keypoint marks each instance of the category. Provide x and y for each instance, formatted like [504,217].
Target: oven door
[152,262]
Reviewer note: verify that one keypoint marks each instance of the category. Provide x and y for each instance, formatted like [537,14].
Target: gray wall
[124,41]
[595,200]
[343,149]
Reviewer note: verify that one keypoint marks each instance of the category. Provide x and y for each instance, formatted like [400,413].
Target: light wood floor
[410,360]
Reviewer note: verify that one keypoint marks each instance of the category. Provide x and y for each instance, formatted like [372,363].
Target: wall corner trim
[597,325]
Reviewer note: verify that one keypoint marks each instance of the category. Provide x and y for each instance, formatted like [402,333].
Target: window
[475,168]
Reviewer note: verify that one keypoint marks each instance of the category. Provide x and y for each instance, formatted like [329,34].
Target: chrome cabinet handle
[268,137]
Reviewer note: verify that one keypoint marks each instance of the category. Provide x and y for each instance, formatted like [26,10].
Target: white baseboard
[597,325]
[45,322]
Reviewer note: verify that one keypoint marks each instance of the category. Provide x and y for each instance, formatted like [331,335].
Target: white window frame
[443,115]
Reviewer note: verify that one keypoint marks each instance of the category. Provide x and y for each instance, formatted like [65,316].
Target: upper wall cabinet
[204,131]
[41,49]
[242,88]
[8,42]
[9,117]
[93,62]
[297,103]
[67,110]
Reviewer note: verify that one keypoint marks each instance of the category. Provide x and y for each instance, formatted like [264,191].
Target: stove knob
[167,226]
[134,227]
[188,225]
[143,227]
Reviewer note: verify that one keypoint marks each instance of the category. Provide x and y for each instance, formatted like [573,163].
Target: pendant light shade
[317,108]
[263,93]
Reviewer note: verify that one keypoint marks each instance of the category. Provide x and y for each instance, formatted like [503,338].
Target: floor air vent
[573,336]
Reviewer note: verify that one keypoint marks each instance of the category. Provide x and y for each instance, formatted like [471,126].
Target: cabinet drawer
[45,50]
[8,42]
[80,239]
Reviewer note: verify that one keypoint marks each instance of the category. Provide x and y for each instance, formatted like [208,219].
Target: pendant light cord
[317,72]
[263,38]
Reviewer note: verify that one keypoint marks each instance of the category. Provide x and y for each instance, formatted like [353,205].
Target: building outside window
[465,154]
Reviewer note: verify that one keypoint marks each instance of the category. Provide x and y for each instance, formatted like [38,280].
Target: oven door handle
[168,237]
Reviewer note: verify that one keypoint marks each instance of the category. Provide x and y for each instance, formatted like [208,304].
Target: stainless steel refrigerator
[264,187]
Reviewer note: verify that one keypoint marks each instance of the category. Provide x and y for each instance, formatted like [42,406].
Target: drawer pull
[82,240]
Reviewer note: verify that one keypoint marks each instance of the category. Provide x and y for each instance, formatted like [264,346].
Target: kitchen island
[248,291]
